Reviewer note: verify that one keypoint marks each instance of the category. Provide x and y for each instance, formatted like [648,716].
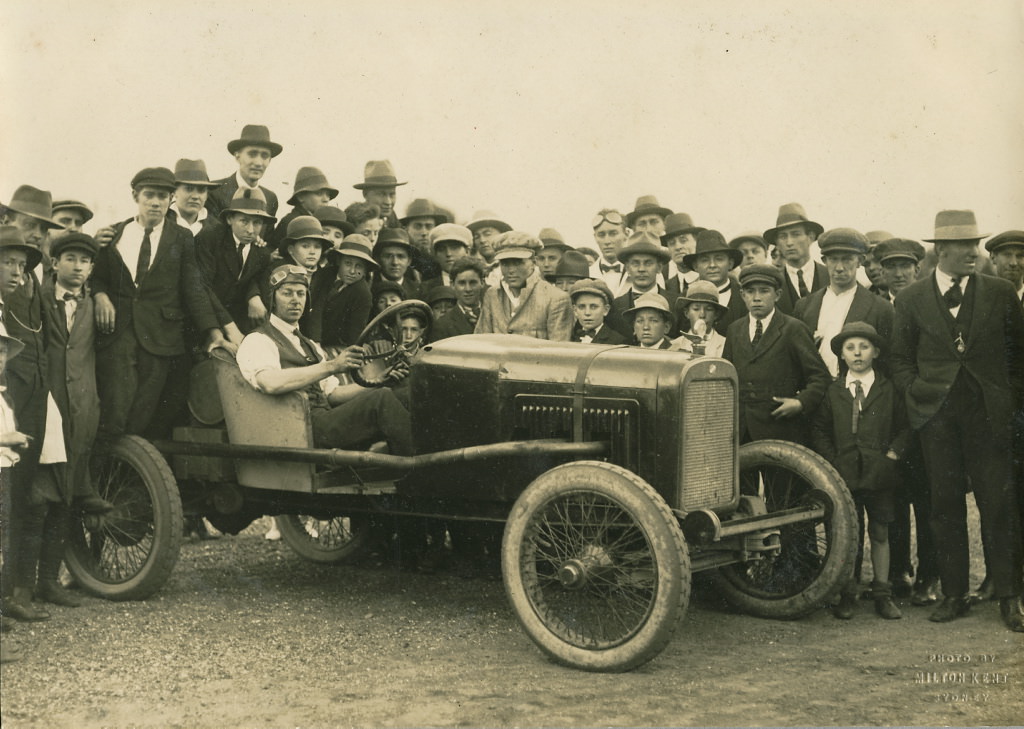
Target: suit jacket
[605,335]
[71,360]
[861,457]
[785,364]
[155,311]
[925,359]
[232,285]
[220,197]
[345,314]
[617,316]
[866,307]
[452,324]
[787,301]
[544,312]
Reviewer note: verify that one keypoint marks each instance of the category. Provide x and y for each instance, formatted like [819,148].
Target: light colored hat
[310,179]
[591,286]
[651,300]
[487,219]
[515,244]
[14,346]
[701,292]
[551,238]
[250,201]
[451,233]
[643,242]
[288,273]
[956,225]
[646,205]
[357,246]
[842,240]
[81,207]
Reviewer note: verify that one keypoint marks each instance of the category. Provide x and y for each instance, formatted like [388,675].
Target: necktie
[472,315]
[307,347]
[954,296]
[606,268]
[858,403]
[758,331]
[241,258]
[144,255]
[68,310]
[801,283]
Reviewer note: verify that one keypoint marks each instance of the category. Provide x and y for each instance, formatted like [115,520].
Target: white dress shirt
[764,324]
[725,293]
[808,269]
[195,227]
[834,310]
[945,281]
[867,379]
[70,306]
[130,244]
[616,279]
[258,352]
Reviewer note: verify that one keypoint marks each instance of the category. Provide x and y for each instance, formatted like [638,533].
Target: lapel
[162,246]
[813,311]
[741,344]
[231,256]
[771,335]
[932,300]
[862,302]
[115,251]
[820,277]
[876,390]
[52,309]
[524,297]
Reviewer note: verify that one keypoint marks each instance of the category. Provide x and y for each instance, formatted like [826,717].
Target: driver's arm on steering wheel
[276,382]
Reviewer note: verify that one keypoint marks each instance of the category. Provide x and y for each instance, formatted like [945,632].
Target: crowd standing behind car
[98,334]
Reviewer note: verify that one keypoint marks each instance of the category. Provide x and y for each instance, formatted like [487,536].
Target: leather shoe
[93,504]
[925,593]
[949,609]
[887,609]
[1013,613]
[53,593]
[986,591]
[902,584]
[844,610]
[24,611]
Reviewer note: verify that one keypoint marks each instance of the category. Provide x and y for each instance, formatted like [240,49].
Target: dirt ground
[246,634]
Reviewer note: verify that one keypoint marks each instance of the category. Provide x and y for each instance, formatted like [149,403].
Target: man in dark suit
[781,375]
[958,353]
[253,151]
[713,261]
[232,259]
[643,258]
[379,187]
[145,283]
[468,276]
[792,236]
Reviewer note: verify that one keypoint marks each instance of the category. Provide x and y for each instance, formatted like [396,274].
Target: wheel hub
[576,572]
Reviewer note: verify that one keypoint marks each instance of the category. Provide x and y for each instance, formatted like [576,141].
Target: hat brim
[256,213]
[734,255]
[325,243]
[769,235]
[237,144]
[593,291]
[631,313]
[438,219]
[682,302]
[356,254]
[33,255]
[775,283]
[692,231]
[510,253]
[902,256]
[1009,238]
[842,249]
[294,199]
[343,225]
[660,253]
[759,240]
[836,345]
[87,214]
[379,246]
[661,212]
[198,183]
[377,185]
[958,239]
[500,225]
[48,223]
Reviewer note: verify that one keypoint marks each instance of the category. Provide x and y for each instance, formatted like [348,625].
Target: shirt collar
[157,229]
[243,184]
[829,293]
[59,291]
[237,241]
[867,379]
[764,322]
[282,326]
[807,268]
[203,212]
[944,280]
[656,345]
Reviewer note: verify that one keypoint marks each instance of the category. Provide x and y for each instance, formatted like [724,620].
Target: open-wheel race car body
[616,471]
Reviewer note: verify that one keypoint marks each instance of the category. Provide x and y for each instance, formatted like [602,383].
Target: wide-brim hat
[334,217]
[392,237]
[301,228]
[751,236]
[761,273]
[789,215]
[81,207]
[160,178]
[701,292]
[677,224]
[953,225]
[423,208]
[250,201]
[651,301]
[856,329]
[591,286]
[646,205]
[551,238]
[378,173]
[311,179]
[711,241]
[74,241]
[11,237]
[894,248]
[255,135]
[441,293]
[842,240]
[33,202]
[193,172]
[516,244]
[487,219]
[357,246]
[451,233]
[1009,238]
[14,346]
[644,243]
[573,264]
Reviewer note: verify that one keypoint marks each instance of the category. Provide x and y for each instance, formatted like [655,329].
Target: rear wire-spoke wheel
[596,567]
[328,541]
[815,557]
[129,553]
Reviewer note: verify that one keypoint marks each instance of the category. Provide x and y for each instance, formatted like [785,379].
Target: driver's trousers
[372,415]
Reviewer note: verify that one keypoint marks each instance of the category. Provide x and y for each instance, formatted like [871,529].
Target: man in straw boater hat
[233,258]
[310,192]
[793,235]
[188,209]
[379,187]
[253,151]
[713,261]
[958,353]
[648,216]
[680,238]
[523,303]
[277,358]
[643,259]
[844,300]
[146,283]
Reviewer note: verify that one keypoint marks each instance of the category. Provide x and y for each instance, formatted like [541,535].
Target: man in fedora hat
[752,247]
[554,247]
[524,303]
[346,308]
[591,304]
[793,235]
[71,214]
[380,188]
[421,217]
[253,151]
[449,242]
[572,267]
[394,253]
[310,192]
[188,209]
[713,261]
[643,259]
[468,276]
[146,283]
[647,216]
[958,353]
[826,310]
[233,258]
[610,235]
[680,240]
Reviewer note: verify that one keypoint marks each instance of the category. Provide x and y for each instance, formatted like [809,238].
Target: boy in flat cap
[792,237]
[591,304]
[781,375]
[900,261]
[449,243]
[652,320]
[71,214]
[752,247]
[524,303]
[1007,251]
[253,150]
[468,282]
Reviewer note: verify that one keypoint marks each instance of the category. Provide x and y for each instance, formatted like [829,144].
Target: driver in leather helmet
[276,358]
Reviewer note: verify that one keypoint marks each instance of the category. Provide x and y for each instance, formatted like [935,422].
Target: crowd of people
[903,366]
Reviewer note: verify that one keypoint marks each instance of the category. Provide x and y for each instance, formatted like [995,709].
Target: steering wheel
[382,342]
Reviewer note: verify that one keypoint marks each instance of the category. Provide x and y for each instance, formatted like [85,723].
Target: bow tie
[68,296]
[589,333]
[605,268]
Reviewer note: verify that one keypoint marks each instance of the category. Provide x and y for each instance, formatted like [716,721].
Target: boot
[884,606]
[54,593]
[847,603]
[19,606]
[55,531]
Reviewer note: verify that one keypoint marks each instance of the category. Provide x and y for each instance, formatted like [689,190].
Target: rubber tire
[296,536]
[841,530]
[166,526]
[664,538]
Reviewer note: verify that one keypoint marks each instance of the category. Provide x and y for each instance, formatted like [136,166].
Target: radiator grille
[708,444]
[551,417]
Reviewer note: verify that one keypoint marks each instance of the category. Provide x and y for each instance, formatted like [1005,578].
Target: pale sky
[871,114]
